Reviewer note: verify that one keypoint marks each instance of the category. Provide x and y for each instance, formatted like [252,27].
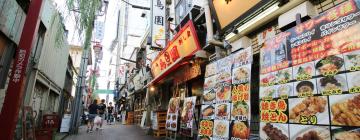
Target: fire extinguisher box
[50,122]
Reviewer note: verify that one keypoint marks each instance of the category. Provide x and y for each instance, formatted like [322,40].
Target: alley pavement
[113,132]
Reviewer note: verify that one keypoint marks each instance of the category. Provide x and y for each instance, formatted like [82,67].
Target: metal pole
[209,30]
[75,115]
[15,92]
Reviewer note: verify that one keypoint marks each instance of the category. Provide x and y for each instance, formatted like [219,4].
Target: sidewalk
[113,132]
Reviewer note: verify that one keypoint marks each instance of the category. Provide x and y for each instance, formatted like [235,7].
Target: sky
[136,29]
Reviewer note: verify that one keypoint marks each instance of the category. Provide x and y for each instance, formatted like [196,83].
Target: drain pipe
[209,30]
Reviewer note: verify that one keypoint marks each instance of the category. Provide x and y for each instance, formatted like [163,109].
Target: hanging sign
[158,23]
[184,44]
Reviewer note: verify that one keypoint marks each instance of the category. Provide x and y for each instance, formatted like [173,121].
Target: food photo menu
[225,110]
[309,81]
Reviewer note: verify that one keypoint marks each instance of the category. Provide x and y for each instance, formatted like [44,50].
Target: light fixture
[152,88]
[253,21]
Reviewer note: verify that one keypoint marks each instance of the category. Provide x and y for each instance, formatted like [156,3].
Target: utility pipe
[209,30]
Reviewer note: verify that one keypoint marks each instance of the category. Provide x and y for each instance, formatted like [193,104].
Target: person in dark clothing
[101,111]
[93,110]
[110,110]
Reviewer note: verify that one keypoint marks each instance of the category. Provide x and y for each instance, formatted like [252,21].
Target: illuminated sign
[230,11]
[184,44]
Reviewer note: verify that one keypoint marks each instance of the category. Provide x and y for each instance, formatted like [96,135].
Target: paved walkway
[113,132]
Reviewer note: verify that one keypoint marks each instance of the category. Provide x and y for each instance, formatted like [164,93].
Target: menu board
[225,111]
[310,78]
[187,115]
[172,114]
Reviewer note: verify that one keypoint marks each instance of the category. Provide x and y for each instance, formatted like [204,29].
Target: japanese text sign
[158,23]
[184,44]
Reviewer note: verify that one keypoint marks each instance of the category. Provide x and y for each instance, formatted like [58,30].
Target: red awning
[169,70]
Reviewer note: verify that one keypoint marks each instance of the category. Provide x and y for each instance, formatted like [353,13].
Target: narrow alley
[113,132]
[180,69]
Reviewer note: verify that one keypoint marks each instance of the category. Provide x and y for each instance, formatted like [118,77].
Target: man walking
[93,108]
[110,117]
[101,111]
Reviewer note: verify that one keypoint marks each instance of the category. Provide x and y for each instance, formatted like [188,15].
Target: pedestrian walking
[93,110]
[101,112]
[110,111]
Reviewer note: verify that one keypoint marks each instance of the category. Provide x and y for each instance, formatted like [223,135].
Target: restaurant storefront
[285,80]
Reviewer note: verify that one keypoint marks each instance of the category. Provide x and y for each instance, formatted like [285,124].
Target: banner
[187,116]
[309,82]
[172,114]
[158,23]
[225,111]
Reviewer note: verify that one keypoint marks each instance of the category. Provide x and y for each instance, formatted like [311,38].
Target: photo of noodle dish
[284,76]
[221,129]
[284,90]
[224,76]
[309,132]
[209,96]
[331,84]
[242,57]
[329,64]
[240,108]
[211,69]
[311,106]
[352,60]
[267,92]
[304,71]
[345,109]
[210,82]
[241,74]
[353,80]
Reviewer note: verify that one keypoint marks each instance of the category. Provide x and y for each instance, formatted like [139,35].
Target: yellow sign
[183,45]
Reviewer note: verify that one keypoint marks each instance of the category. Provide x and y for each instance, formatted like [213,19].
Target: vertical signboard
[310,78]
[225,111]
[172,114]
[158,23]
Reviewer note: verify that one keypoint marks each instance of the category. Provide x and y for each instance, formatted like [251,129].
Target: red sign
[183,45]
[15,92]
